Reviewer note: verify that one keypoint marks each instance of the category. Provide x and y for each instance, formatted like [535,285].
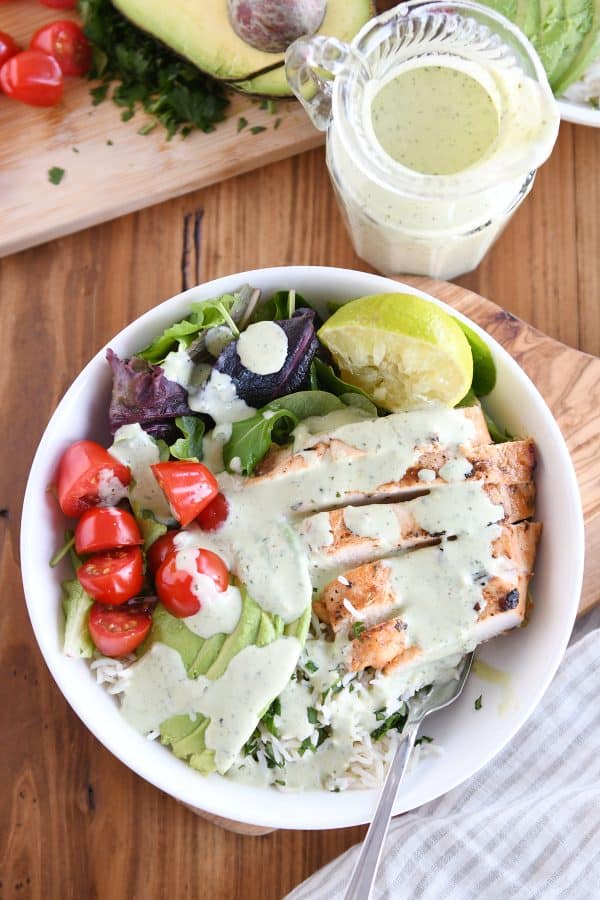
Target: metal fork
[363,875]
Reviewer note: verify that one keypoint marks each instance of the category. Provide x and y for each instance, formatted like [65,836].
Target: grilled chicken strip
[369,595]
[354,535]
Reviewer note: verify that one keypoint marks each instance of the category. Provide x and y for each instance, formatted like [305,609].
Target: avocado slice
[201,31]
[579,19]
[174,633]
[528,17]
[588,51]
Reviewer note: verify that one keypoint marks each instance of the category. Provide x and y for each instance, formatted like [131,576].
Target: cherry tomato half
[32,77]
[65,41]
[160,549]
[189,487]
[8,47]
[212,516]
[106,528]
[113,577]
[59,4]
[116,632]
[86,471]
[174,585]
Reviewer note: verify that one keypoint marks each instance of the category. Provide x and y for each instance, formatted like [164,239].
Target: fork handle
[363,875]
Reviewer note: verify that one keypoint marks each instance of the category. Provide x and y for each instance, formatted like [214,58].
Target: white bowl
[579,113]
[468,738]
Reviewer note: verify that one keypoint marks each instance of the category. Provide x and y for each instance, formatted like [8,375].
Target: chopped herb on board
[424,740]
[256,129]
[477,703]
[147,74]
[55,175]
[241,123]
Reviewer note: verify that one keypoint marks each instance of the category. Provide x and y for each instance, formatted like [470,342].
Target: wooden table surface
[74,822]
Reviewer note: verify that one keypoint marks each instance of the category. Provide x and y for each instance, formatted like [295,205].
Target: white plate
[579,113]
[468,738]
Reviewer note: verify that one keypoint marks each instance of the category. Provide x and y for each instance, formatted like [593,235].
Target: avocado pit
[272,25]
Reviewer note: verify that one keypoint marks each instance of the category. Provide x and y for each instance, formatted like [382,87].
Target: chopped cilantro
[395,722]
[424,740]
[75,149]
[310,666]
[269,716]
[311,715]
[56,175]
[147,74]
[241,123]
[109,143]
[279,781]
[272,761]
[306,744]
[357,629]
[277,123]
[147,128]
[477,703]
[256,129]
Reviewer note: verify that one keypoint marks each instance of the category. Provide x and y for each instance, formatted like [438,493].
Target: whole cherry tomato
[32,77]
[8,47]
[212,516]
[106,528]
[113,577]
[116,632]
[65,41]
[59,4]
[87,474]
[189,488]
[160,549]
[174,586]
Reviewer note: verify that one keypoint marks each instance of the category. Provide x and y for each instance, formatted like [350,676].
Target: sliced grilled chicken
[434,465]
[368,595]
[279,462]
[353,535]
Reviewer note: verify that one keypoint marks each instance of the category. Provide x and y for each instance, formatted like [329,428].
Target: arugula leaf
[149,74]
[251,438]
[282,305]
[203,315]
[190,445]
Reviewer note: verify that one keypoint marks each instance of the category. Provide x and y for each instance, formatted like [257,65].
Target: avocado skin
[201,31]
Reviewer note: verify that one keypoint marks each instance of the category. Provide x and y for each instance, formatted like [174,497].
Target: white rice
[587,89]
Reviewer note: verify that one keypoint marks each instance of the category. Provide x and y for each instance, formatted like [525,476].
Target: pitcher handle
[311,65]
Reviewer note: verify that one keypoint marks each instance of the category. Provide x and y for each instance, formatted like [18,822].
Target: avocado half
[201,31]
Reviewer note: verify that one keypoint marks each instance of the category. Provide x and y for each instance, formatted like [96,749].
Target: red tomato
[189,487]
[59,4]
[8,47]
[116,632]
[32,77]
[174,586]
[66,42]
[160,549]
[113,577]
[212,516]
[106,528]
[81,471]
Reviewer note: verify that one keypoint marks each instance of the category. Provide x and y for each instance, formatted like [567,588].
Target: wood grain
[75,824]
[110,169]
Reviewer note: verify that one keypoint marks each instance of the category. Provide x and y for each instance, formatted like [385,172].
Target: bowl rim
[341,811]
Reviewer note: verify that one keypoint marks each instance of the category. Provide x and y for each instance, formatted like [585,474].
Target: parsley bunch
[170,89]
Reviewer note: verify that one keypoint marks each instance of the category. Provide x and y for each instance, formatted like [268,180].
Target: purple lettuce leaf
[141,393]
[257,390]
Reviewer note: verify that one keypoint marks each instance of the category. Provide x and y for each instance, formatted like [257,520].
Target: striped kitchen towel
[526,827]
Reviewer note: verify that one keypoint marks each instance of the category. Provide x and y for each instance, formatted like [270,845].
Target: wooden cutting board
[569,381]
[110,169]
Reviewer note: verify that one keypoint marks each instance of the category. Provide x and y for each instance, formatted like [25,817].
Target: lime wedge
[403,351]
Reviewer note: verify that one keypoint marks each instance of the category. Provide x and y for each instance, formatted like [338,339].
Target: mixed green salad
[208,400]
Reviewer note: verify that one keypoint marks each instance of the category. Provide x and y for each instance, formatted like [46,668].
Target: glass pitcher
[405,215]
